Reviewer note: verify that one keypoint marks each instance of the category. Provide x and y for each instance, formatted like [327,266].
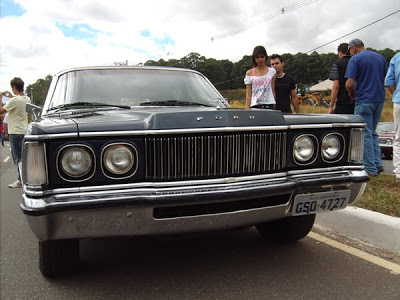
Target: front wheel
[287,230]
[58,257]
[308,102]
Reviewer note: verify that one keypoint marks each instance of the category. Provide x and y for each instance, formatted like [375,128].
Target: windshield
[135,87]
[385,127]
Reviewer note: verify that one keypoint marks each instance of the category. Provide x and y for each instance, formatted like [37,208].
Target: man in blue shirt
[392,82]
[365,75]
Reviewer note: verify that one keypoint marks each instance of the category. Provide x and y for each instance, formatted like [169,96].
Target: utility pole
[121,63]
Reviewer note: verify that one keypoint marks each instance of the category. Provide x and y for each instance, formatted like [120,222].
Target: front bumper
[179,207]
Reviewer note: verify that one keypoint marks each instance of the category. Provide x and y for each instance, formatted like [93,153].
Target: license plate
[319,202]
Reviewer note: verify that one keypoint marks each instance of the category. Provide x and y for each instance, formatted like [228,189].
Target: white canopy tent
[322,86]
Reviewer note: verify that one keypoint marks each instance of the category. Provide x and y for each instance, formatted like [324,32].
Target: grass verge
[382,195]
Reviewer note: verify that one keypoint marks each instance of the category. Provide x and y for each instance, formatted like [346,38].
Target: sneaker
[380,169]
[397,180]
[16,184]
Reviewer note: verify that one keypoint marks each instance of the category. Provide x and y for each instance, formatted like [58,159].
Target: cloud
[45,36]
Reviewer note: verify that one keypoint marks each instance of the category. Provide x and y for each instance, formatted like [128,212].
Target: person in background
[392,82]
[365,75]
[260,82]
[5,126]
[17,121]
[1,132]
[285,87]
[339,95]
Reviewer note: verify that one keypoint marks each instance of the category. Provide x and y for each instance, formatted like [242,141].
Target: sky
[43,37]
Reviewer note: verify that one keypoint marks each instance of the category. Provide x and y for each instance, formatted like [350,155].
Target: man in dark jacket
[340,96]
[285,87]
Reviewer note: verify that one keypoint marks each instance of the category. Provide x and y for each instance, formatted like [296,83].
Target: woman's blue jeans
[371,113]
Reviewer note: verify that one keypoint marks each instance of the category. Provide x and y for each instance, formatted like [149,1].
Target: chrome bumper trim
[33,193]
[205,189]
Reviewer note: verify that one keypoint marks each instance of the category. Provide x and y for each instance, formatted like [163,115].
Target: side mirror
[33,110]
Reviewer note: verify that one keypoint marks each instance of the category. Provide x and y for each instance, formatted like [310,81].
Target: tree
[239,71]
[38,90]
[192,60]
[387,54]
[212,69]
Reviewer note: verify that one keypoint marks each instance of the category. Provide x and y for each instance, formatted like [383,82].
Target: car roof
[126,67]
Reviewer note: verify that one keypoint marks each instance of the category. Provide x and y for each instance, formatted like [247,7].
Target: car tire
[287,230]
[308,102]
[388,155]
[58,257]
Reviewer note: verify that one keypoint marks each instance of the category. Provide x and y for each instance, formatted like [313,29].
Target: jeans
[16,149]
[371,113]
[2,138]
[396,142]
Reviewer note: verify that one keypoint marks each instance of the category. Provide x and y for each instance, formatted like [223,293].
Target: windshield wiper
[91,104]
[172,103]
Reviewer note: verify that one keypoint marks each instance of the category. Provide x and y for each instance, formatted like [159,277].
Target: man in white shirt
[17,121]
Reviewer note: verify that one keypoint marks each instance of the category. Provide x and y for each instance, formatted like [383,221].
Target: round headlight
[76,161]
[303,148]
[118,159]
[330,147]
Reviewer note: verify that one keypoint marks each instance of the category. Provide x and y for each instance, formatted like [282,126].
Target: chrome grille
[207,156]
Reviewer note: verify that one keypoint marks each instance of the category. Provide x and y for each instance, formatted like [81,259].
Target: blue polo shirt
[393,77]
[368,69]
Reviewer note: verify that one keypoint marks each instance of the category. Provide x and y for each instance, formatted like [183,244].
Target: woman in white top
[260,82]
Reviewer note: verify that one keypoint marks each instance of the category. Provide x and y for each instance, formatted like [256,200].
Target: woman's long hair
[259,50]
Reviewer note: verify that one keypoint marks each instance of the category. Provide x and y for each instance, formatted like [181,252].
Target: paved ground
[217,265]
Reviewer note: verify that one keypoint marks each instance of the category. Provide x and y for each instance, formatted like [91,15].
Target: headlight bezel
[312,158]
[28,177]
[79,178]
[356,145]
[133,168]
[342,144]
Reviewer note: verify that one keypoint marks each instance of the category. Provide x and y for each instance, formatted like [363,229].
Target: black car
[129,151]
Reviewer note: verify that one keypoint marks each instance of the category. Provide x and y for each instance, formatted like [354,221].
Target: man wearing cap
[340,99]
[365,75]
[392,81]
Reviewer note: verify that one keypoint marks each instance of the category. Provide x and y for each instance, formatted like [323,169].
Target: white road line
[6,159]
[392,267]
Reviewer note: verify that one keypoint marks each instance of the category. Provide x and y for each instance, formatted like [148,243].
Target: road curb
[375,228]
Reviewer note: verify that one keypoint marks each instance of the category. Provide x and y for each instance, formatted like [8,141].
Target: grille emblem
[199,118]
[218,118]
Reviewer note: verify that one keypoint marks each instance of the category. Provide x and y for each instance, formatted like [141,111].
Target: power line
[374,22]
[281,11]
[355,31]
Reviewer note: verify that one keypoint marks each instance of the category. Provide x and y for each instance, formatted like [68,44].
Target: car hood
[165,118]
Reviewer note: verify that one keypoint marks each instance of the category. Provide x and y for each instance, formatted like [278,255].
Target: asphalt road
[218,265]
[387,165]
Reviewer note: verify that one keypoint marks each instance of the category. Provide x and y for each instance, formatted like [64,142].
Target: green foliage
[38,90]
[307,69]
[382,195]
